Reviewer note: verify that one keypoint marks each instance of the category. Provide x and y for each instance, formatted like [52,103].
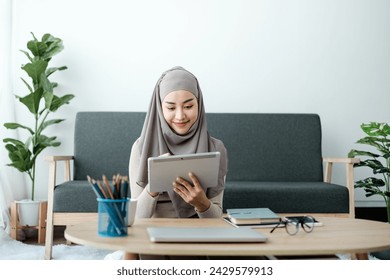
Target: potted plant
[378,137]
[40,102]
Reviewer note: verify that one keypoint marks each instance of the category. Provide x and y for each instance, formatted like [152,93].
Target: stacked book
[252,217]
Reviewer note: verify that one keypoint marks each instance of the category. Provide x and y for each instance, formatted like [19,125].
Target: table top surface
[336,236]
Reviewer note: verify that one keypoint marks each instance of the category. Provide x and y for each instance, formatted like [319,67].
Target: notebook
[252,215]
[254,225]
[164,170]
[204,235]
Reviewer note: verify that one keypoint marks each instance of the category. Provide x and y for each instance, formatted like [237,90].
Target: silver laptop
[164,170]
[204,235]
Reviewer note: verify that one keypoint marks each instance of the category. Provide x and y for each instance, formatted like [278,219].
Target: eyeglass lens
[307,223]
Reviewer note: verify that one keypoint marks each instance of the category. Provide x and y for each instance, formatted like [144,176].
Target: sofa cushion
[281,197]
[287,197]
[74,196]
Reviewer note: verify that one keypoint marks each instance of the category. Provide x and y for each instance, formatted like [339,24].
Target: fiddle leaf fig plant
[40,102]
[378,137]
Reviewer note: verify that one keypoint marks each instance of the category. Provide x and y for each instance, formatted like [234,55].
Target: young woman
[176,124]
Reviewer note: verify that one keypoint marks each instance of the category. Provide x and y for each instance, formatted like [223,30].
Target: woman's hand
[193,193]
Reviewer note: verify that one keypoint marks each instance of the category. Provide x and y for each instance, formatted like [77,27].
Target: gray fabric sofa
[275,161]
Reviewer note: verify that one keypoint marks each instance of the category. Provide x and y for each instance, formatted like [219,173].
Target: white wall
[330,57]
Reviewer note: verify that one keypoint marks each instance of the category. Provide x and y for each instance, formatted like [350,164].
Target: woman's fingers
[192,193]
[188,190]
[194,180]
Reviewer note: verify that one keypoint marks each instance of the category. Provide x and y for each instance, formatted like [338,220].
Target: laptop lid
[204,235]
[164,170]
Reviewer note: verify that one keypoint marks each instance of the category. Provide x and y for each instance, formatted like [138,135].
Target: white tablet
[164,170]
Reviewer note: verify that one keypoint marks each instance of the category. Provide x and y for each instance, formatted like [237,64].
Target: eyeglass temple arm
[277,225]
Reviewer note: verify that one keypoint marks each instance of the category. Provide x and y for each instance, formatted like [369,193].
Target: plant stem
[33,183]
[33,147]
[43,120]
[32,180]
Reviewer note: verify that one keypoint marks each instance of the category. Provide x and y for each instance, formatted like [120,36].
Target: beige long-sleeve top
[161,205]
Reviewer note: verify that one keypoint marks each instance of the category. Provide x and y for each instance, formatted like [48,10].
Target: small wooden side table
[41,227]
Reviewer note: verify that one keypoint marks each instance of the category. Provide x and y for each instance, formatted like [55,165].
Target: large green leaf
[16,125]
[376,129]
[37,48]
[371,192]
[355,153]
[45,84]
[375,165]
[369,183]
[48,38]
[54,46]
[44,142]
[20,157]
[381,146]
[372,141]
[372,186]
[48,99]
[16,142]
[35,70]
[57,102]
[33,100]
[51,70]
[48,123]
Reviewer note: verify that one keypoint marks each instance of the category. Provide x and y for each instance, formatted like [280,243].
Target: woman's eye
[188,107]
[171,108]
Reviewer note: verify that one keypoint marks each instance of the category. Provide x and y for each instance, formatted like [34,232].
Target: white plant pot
[28,212]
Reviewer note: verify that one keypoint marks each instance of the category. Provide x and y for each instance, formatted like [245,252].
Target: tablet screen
[164,170]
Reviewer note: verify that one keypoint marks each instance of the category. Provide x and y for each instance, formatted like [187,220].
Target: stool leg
[361,256]
[42,222]
[14,221]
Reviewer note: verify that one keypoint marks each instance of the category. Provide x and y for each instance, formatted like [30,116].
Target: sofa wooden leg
[360,256]
[49,236]
[130,256]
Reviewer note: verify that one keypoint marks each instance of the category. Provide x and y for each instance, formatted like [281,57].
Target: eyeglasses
[292,224]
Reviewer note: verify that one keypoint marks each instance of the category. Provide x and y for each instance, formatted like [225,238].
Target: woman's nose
[180,114]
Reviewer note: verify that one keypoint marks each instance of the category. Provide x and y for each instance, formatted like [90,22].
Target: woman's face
[180,110]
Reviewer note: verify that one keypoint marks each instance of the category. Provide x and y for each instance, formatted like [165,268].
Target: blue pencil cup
[112,217]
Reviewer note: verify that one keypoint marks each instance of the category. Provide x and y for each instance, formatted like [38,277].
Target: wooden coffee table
[336,236]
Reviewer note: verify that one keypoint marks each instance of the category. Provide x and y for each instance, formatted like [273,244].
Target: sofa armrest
[53,168]
[349,163]
[50,195]
[53,175]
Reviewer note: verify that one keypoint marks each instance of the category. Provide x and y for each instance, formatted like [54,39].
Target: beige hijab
[158,138]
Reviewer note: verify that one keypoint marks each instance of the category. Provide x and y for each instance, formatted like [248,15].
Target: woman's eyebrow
[185,101]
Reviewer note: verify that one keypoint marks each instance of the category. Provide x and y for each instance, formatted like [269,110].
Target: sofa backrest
[102,142]
[261,147]
[270,147]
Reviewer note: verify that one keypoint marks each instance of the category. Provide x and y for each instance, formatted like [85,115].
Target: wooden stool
[41,227]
